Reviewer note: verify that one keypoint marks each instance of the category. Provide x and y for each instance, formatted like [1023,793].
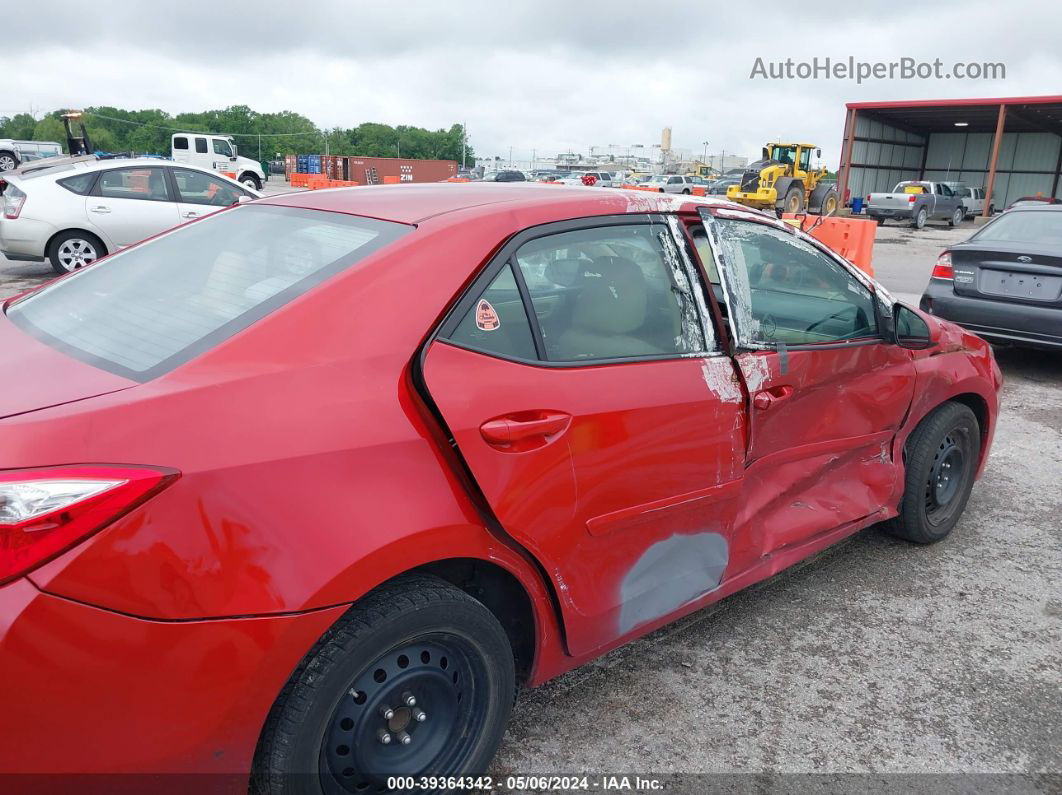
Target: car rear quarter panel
[310,472]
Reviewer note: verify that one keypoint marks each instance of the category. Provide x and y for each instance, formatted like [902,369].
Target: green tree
[19,126]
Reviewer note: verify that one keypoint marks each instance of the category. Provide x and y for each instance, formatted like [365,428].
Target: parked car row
[81,209]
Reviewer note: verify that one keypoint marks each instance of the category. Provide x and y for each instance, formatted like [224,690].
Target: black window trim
[505,256]
[830,254]
[97,187]
[186,138]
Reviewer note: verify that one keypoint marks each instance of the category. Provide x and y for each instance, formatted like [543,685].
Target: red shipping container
[372,170]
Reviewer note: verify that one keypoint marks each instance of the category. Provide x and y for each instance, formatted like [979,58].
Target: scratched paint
[719,378]
[669,574]
[756,369]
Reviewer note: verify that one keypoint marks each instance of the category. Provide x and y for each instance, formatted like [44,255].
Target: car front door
[130,204]
[828,393]
[200,194]
[601,422]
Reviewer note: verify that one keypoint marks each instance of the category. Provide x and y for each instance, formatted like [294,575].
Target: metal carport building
[1011,147]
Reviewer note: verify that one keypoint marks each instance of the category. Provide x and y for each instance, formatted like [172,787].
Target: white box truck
[219,153]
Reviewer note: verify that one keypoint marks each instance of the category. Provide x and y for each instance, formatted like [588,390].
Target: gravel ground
[875,659]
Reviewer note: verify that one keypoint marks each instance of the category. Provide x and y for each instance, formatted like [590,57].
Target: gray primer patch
[669,574]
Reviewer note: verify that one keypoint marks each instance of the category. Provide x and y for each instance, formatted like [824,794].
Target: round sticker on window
[486,316]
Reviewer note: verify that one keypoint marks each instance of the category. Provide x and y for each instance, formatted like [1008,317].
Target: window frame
[880,300]
[506,255]
[97,186]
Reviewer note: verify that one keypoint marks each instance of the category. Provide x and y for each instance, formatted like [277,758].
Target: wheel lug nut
[408,699]
[386,712]
[384,736]
[404,738]
[419,715]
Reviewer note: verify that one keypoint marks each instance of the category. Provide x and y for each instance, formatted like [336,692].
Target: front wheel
[251,181]
[942,456]
[686,191]
[416,679]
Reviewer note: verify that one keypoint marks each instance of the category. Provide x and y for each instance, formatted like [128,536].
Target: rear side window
[497,322]
[180,143]
[201,145]
[134,183]
[144,311]
[82,183]
[610,292]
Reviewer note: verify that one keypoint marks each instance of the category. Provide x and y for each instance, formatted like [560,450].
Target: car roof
[416,203]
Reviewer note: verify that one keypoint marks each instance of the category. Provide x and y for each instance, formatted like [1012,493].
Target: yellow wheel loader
[784,181]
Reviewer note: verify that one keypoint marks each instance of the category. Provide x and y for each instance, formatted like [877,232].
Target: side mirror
[909,329]
[818,153]
[243,200]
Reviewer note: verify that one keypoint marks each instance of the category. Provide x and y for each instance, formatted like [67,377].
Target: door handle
[99,208]
[523,426]
[768,397]
[190,214]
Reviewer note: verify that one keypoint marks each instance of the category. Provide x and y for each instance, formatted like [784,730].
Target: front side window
[794,294]
[144,311]
[195,187]
[610,292]
[134,183]
[222,148]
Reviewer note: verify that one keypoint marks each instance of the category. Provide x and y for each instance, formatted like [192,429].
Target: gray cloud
[543,75]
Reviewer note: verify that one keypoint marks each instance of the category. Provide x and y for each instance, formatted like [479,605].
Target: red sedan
[300,492]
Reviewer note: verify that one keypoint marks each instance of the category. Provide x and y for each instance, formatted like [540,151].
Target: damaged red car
[301,492]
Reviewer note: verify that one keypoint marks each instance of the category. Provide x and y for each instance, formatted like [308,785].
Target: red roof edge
[951,103]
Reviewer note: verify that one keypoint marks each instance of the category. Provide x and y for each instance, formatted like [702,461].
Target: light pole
[705,160]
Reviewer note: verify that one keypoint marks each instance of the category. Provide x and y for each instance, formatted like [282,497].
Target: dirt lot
[877,657]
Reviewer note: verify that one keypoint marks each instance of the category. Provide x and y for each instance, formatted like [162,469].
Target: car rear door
[828,393]
[604,427]
[130,204]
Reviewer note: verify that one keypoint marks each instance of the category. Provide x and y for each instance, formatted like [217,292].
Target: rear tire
[957,217]
[418,636]
[686,191]
[920,218]
[74,249]
[8,161]
[942,456]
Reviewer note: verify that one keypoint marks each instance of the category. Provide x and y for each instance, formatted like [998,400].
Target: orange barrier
[317,184]
[458,179]
[700,191]
[392,180]
[299,180]
[852,238]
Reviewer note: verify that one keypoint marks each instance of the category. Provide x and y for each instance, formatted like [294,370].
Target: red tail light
[13,199]
[943,269]
[911,199]
[44,512]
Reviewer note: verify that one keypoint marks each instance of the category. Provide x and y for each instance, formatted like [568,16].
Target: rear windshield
[1024,226]
[142,312]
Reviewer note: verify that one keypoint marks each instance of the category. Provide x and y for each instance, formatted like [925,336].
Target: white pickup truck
[916,202]
[15,153]
[217,152]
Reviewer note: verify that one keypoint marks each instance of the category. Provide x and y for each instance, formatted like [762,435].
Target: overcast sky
[545,75]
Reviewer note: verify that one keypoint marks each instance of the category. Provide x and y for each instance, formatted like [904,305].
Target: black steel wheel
[942,455]
[416,679]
